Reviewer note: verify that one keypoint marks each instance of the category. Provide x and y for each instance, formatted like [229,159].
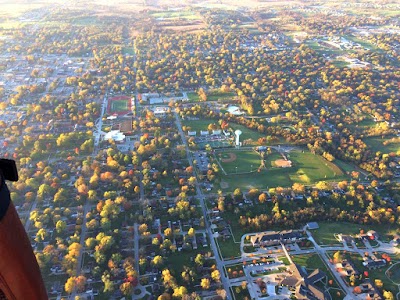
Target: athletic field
[119,105]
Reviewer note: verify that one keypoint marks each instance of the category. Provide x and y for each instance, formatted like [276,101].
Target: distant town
[206,149]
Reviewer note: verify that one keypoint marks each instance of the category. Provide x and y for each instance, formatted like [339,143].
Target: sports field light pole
[236,169]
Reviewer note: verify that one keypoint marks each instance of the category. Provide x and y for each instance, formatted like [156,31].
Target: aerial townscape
[206,149]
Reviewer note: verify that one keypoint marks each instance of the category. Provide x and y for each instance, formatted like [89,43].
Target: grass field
[188,15]
[324,235]
[394,273]
[307,169]
[128,50]
[194,97]
[119,106]
[229,248]
[376,144]
[243,163]
[183,258]
[198,125]
[311,168]
[212,96]
[246,133]
[345,166]
[246,161]
[202,124]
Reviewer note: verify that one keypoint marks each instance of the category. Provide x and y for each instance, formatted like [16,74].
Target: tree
[237,194]
[215,275]
[126,288]
[80,283]
[157,261]
[199,259]
[357,290]
[108,283]
[143,228]
[179,292]
[70,285]
[337,256]
[262,198]
[205,283]
[191,232]
[60,226]
[298,188]
[388,295]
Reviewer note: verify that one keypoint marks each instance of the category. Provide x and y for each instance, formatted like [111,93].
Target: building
[374,264]
[271,238]
[312,225]
[115,135]
[160,111]
[303,284]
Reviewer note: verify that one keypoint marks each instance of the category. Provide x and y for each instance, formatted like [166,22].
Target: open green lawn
[175,15]
[220,96]
[183,258]
[263,180]
[198,125]
[394,273]
[307,169]
[212,96]
[246,133]
[128,50]
[194,97]
[324,235]
[202,124]
[340,63]
[376,144]
[309,261]
[229,248]
[346,167]
[119,105]
[246,161]
[311,168]
[364,124]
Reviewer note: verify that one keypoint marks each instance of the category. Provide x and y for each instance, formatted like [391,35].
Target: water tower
[237,134]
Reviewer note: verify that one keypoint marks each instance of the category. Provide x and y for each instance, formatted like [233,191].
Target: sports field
[310,168]
[238,161]
[307,168]
[119,105]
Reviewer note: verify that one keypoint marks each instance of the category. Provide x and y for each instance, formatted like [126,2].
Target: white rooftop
[115,135]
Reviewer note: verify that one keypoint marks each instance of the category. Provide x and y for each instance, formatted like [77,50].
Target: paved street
[200,196]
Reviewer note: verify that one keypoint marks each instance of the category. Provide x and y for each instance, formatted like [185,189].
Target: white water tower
[237,134]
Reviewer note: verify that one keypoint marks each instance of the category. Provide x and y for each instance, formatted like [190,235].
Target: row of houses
[271,238]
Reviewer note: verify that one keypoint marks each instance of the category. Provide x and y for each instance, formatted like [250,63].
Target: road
[87,207]
[28,220]
[200,196]
[99,123]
